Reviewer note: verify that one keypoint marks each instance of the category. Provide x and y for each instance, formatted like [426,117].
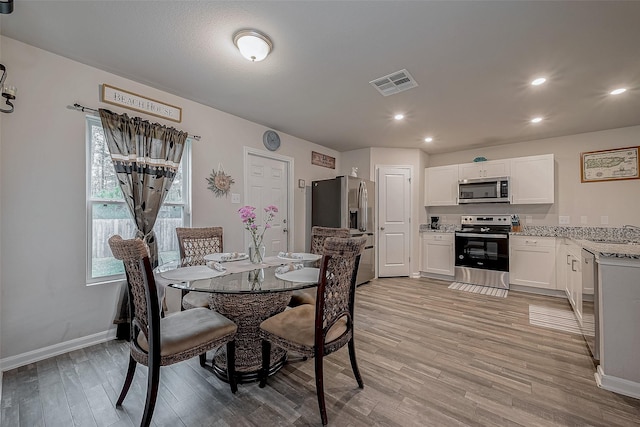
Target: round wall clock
[271,140]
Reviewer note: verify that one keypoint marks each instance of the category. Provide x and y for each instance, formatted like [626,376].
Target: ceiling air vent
[394,83]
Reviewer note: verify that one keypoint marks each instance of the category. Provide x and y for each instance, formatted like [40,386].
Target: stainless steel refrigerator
[348,202]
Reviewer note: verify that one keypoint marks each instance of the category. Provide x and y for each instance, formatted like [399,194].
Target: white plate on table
[194,272]
[218,257]
[303,257]
[304,275]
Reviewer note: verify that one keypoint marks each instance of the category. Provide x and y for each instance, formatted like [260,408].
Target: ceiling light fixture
[428,139]
[538,81]
[536,120]
[618,91]
[252,44]
[399,116]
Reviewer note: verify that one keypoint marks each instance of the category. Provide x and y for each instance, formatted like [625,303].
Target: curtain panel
[146,157]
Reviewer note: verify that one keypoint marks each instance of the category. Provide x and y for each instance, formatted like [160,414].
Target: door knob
[382,228]
[284,230]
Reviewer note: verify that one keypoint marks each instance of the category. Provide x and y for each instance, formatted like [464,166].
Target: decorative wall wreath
[219,182]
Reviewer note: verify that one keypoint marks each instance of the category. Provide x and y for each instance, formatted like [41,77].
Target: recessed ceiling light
[536,120]
[399,116]
[618,91]
[538,81]
[428,139]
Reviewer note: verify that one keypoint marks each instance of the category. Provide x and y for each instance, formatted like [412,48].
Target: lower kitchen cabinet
[573,281]
[532,261]
[438,253]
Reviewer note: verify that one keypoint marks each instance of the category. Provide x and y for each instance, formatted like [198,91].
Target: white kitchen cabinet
[532,261]
[441,186]
[573,283]
[438,253]
[532,180]
[489,169]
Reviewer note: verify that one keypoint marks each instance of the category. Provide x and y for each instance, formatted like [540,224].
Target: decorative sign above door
[323,160]
[132,101]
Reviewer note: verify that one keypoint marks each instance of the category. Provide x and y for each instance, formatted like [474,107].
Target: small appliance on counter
[434,222]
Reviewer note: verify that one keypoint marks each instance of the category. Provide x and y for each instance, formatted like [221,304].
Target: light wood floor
[429,356]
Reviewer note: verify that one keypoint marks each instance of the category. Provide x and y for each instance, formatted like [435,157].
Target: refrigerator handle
[362,206]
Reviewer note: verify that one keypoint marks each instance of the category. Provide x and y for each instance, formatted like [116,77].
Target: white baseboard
[23,359]
[617,385]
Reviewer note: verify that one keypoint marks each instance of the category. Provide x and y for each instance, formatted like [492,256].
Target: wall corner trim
[23,359]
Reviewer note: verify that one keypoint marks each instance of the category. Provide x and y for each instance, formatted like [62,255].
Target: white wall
[42,193]
[619,200]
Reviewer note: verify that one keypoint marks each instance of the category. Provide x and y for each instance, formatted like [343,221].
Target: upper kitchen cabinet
[490,169]
[441,186]
[532,180]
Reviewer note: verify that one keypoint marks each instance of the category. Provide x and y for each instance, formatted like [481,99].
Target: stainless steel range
[482,250]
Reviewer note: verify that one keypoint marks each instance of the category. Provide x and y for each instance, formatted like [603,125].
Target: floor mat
[477,289]
[554,318]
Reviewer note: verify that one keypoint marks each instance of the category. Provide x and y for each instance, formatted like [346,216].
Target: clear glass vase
[256,253]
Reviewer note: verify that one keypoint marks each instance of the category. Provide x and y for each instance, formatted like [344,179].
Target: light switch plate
[604,220]
[564,220]
[583,219]
[528,219]
[235,198]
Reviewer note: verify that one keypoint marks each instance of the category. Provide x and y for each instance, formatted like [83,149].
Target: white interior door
[394,208]
[267,183]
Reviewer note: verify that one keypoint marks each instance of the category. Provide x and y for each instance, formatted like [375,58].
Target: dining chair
[194,244]
[157,341]
[318,236]
[316,331]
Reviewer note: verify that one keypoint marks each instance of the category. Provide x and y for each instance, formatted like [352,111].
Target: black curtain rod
[84,109]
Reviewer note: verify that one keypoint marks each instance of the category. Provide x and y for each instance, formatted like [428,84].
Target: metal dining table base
[248,311]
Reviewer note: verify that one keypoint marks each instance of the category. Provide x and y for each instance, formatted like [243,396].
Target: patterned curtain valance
[146,157]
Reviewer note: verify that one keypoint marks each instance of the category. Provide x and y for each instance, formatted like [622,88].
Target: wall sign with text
[323,160]
[132,101]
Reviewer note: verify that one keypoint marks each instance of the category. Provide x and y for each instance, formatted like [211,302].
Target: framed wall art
[609,165]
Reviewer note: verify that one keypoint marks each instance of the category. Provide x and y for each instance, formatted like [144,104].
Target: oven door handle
[483,235]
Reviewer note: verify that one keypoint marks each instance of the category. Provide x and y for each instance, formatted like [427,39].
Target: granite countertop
[619,250]
[443,228]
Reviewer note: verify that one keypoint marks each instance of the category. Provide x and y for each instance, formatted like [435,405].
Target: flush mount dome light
[399,116]
[618,91]
[428,139]
[536,120]
[252,44]
[538,81]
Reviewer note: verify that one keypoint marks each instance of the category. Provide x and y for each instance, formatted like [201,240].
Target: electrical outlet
[235,198]
[528,219]
[583,219]
[564,220]
[604,220]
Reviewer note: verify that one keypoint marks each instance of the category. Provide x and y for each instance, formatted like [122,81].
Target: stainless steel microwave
[484,190]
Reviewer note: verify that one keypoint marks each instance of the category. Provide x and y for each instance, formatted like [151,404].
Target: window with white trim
[108,214]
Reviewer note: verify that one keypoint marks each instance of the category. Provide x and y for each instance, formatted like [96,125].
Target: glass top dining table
[247,294]
[240,277]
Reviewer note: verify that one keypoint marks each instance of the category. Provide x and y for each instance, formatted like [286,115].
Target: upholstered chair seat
[180,332]
[195,300]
